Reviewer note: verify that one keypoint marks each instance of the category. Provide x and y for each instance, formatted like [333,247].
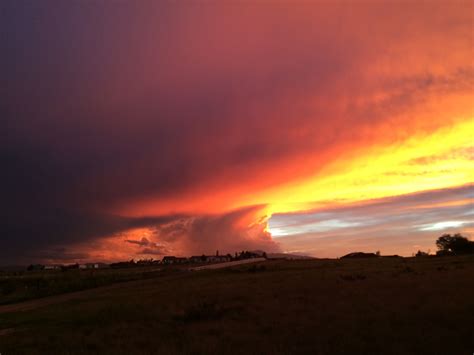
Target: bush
[421,253]
[444,253]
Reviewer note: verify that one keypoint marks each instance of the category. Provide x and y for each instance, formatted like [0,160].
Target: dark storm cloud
[142,242]
[243,229]
[108,112]
[37,232]
[104,103]
[148,247]
[153,251]
[58,254]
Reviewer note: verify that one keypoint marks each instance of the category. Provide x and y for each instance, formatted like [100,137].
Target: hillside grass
[20,286]
[371,306]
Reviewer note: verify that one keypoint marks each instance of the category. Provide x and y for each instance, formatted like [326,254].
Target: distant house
[148,262]
[225,258]
[197,259]
[218,258]
[93,266]
[248,255]
[52,267]
[34,267]
[168,260]
[69,267]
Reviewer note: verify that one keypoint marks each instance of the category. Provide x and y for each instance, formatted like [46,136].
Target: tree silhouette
[421,253]
[454,244]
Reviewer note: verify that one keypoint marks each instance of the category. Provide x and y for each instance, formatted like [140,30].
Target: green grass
[377,306]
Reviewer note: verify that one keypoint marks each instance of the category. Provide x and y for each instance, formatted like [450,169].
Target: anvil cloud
[123,118]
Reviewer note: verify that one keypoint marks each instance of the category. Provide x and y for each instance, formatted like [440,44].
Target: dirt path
[227,264]
[65,297]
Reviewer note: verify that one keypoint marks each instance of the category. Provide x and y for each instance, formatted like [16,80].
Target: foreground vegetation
[377,305]
[24,285]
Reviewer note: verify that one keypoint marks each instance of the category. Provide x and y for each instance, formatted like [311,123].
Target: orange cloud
[195,112]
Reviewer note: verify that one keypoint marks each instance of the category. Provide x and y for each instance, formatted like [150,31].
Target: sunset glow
[184,128]
[418,164]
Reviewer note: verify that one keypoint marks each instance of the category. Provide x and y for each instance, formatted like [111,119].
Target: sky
[137,129]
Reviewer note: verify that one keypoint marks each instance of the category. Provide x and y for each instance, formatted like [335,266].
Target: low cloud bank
[243,229]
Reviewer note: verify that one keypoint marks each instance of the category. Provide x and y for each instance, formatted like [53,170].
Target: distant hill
[358,255]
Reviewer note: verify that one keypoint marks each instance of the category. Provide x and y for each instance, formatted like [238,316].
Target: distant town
[447,244]
[166,260]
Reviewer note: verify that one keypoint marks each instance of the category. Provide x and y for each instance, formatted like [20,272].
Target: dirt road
[46,301]
[228,264]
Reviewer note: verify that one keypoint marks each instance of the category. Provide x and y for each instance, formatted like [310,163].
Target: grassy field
[374,306]
[24,285]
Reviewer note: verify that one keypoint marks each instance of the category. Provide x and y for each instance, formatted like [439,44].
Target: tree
[454,244]
[421,253]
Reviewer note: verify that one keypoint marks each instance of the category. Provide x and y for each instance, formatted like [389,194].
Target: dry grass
[377,306]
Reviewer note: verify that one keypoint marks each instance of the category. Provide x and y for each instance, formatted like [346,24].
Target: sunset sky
[137,129]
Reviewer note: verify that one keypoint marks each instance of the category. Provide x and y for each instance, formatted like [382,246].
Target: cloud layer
[116,111]
[243,229]
[397,225]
